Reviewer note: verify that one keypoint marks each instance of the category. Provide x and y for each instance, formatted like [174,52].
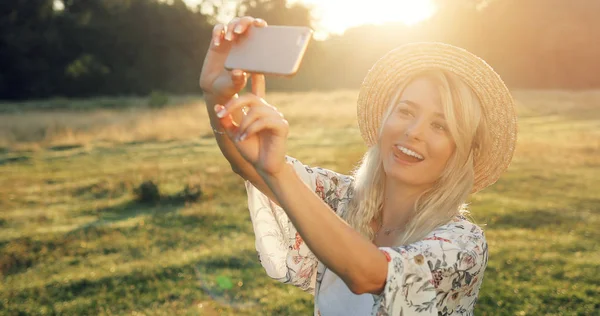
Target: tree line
[133,47]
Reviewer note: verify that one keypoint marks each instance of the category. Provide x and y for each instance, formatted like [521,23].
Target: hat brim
[402,63]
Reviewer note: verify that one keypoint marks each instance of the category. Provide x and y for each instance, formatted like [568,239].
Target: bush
[158,99]
[147,192]
[191,192]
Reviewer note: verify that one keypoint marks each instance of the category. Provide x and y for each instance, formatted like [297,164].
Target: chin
[403,173]
[408,180]
[407,174]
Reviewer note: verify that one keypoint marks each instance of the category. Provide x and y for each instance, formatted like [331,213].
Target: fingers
[217,34]
[230,28]
[239,26]
[239,78]
[242,24]
[260,22]
[258,85]
[254,114]
[236,104]
[273,123]
[259,110]
[226,122]
[236,26]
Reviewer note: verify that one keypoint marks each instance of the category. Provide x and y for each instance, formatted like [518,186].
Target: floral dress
[439,275]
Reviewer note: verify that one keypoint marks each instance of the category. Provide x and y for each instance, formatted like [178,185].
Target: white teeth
[410,152]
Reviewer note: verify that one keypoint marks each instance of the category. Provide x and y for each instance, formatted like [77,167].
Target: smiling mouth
[407,155]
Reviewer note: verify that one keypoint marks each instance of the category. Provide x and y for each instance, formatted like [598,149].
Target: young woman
[392,239]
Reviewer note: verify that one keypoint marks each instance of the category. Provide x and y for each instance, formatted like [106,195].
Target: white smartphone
[274,50]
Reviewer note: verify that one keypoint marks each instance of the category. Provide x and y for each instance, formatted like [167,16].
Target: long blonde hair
[446,198]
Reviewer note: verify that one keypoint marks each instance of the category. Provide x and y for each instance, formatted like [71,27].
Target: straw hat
[384,78]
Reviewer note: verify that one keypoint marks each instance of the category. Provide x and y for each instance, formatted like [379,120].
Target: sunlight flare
[336,16]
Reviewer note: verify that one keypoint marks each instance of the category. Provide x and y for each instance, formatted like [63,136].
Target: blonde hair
[446,198]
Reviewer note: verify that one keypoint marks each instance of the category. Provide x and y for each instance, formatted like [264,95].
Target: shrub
[147,192]
[158,99]
[191,192]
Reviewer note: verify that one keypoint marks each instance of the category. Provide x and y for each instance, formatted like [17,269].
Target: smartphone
[273,50]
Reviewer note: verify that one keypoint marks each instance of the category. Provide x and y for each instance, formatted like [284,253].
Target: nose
[415,129]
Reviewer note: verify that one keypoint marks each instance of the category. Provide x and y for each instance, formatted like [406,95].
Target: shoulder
[466,235]
[332,187]
[319,177]
[456,255]
[459,231]
[440,273]
[460,244]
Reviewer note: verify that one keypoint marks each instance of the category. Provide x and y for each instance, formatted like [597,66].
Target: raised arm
[220,86]
[261,140]
[282,252]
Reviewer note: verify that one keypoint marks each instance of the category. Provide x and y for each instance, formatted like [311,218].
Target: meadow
[77,239]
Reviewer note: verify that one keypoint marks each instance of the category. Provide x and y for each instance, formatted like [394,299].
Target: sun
[335,16]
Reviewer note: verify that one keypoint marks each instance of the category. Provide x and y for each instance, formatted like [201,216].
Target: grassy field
[75,240]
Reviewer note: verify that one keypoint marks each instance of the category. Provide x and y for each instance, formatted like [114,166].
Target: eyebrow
[417,105]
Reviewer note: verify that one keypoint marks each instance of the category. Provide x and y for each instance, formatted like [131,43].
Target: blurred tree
[276,12]
[30,48]
[115,47]
[138,46]
[532,44]
[98,47]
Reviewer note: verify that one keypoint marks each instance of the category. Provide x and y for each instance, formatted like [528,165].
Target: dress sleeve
[281,250]
[441,273]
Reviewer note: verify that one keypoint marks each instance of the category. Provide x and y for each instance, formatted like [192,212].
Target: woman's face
[415,141]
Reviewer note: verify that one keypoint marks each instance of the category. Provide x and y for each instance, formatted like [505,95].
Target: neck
[399,202]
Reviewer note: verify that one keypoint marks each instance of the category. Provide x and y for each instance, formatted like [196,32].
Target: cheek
[443,147]
[394,126]
[390,130]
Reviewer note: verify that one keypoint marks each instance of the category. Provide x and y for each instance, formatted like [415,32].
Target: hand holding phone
[215,80]
[275,50]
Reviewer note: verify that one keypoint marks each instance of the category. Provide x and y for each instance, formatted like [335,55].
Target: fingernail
[259,21]
[220,110]
[242,137]
[237,72]
[228,36]
[238,29]
[217,41]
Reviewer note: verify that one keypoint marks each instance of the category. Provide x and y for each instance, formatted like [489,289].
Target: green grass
[73,239]
[91,104]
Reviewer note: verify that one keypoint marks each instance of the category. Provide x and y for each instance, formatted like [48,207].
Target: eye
[405,111]
[439,126]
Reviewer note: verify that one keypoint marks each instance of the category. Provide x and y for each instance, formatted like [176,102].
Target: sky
[331,20]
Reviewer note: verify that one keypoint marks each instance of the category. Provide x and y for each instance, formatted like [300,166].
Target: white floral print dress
[439,275]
